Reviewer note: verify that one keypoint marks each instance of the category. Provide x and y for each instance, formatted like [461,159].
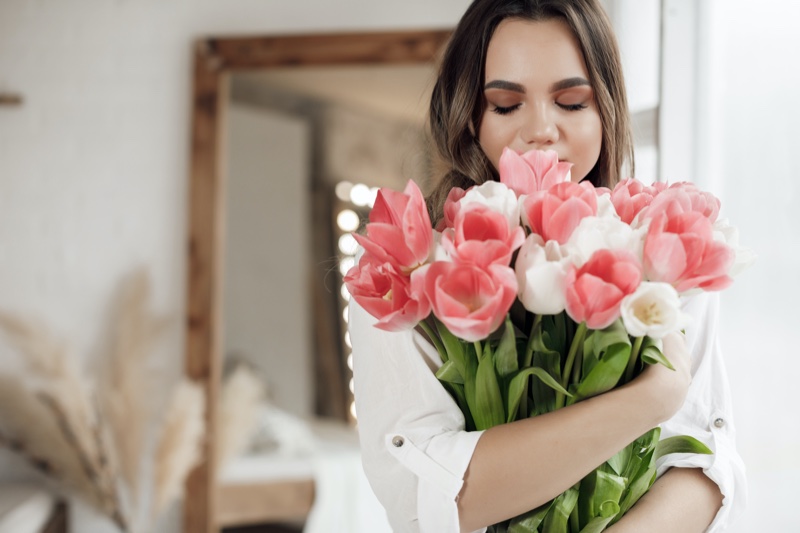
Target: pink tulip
[472,302]
[451,206]
[595,290]
[399,230]
[532,171]
[482,236]
[556,212]
[681,250]
[386,294]
[684,197]
[631,196]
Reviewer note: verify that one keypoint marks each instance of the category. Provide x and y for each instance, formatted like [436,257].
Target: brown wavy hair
[458,102]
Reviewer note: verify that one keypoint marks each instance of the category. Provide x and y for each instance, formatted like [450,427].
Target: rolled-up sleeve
[414,446]
[707,414]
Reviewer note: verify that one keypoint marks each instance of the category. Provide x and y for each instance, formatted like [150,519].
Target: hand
[667,388]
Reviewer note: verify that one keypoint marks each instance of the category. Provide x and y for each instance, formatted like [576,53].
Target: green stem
[437,342]
[527,361]
[637,345]
[529,348]
[577,340]
[576,369]
[478,350]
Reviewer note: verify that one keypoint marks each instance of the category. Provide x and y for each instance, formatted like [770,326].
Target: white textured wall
[93,166]
[751,118]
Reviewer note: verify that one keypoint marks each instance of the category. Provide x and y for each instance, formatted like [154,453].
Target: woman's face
[538,95]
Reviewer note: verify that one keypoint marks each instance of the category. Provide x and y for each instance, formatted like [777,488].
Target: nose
[539,129]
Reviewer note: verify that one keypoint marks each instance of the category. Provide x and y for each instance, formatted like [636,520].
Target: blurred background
[95,112]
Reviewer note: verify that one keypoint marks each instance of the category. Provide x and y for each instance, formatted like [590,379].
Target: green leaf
[637,488]
[622,458]
[453,347]
[556,520]
[652,354]
[488,410]
[681,444]
[641,470]
[603,339]
[456,390]
[544,396]
[530,521]
[506,353]
[449,372]
[502,527]
[606,372]
[608,510]
[470,371]
[517,384]
[596,489]
[590,359]
[556,328]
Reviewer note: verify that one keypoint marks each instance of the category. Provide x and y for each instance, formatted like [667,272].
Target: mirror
[338,110]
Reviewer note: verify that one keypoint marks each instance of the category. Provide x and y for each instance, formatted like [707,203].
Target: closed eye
[571,107]
[505,110]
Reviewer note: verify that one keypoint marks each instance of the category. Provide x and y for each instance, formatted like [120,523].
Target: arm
[683,499]
[519,466]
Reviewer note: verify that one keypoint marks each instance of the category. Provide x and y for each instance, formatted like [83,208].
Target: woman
[546,75]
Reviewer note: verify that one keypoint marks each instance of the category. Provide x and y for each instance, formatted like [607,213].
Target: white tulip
[654,309]
[438,251]
[541,273]
[745,257]
[605,207]
[497,197]
[609,232]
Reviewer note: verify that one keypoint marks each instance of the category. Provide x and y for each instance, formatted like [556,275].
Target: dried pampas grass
[178,448]
[53,422]
[130,383]
[240,399]
[41,442]
[51,414]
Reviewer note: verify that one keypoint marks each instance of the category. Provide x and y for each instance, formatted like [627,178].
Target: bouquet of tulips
[539,292]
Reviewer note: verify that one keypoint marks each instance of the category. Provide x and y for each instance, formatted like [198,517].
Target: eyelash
[571,107]
[507,110]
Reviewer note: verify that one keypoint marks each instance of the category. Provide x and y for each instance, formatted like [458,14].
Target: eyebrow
[567,83]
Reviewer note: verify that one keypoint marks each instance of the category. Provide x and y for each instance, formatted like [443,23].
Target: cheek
[493,137]
[587,141]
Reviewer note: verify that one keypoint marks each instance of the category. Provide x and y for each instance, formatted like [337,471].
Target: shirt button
[719,422]
[398,441]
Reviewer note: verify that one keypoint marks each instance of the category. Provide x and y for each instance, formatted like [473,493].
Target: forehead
[528,51]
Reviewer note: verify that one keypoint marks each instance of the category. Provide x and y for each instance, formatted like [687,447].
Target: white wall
[750,136]
[93,166]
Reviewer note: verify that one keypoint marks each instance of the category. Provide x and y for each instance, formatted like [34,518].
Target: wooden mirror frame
[214,60]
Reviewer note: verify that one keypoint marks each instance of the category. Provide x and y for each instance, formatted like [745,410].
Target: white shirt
[415,449]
